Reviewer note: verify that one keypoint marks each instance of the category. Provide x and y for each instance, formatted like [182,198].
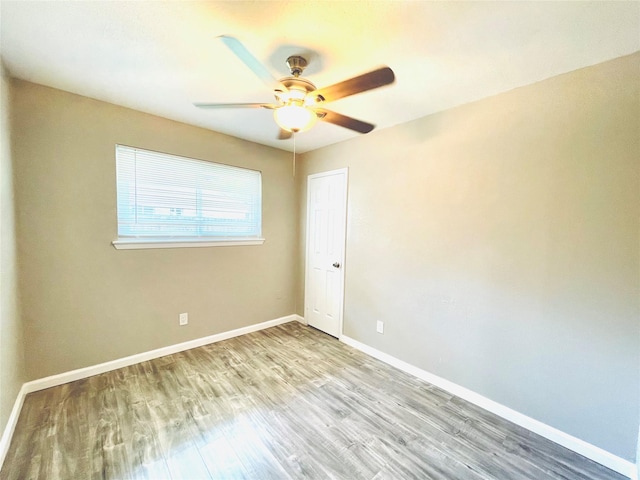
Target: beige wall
[85,302]
[498,241]
[12,363]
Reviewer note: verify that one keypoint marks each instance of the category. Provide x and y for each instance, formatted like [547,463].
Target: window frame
[128,242]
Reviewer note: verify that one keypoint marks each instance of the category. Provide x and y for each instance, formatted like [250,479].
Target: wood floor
[287,402]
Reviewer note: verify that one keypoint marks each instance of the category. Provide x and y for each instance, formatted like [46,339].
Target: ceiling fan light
[294,118]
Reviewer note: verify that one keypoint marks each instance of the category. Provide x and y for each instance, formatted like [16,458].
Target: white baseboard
[585,449]
[10,427]
[66,377]
[80,373]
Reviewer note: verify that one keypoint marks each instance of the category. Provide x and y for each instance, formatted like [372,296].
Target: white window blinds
[165,196]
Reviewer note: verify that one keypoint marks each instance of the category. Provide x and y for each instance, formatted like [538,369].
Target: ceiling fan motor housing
[297,90]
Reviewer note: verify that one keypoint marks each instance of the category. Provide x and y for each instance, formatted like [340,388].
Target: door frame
[310,177]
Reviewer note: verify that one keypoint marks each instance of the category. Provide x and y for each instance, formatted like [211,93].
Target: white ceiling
[159,57]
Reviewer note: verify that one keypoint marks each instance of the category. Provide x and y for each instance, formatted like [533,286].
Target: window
[170,201]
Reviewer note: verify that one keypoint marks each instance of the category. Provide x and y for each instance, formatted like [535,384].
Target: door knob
[336,265]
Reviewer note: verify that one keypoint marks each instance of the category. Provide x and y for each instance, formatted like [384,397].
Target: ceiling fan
[298,103]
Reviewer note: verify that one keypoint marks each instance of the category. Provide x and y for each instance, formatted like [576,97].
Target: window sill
[141,243]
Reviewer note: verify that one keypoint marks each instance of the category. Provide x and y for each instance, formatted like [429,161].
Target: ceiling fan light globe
[294,118]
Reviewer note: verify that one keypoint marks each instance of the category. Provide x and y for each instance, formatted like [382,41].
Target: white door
[326,227]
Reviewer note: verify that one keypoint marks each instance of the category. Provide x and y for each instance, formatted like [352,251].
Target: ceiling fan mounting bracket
[297,64]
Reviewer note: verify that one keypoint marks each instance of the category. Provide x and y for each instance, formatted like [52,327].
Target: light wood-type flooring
[287,402]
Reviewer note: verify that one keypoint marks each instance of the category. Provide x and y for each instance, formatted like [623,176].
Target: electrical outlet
[184,318]
[380,326]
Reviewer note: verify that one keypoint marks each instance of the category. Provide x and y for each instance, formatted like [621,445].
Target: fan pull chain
[294,154]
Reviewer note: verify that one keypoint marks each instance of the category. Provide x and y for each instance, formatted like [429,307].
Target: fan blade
[235,105]
[362,83]
[250,61]
[284,134]
[344,121]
